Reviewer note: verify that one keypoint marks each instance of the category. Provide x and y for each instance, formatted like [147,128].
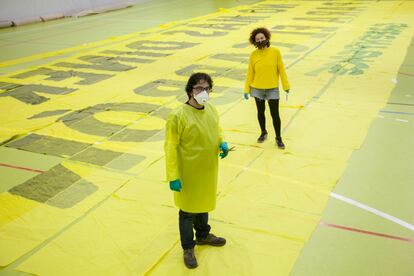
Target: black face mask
[262,44]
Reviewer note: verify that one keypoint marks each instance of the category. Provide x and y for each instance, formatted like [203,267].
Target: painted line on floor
[361,231]
[407,74]
[397,112]
[373,210]
[402,120]
[409,104]
[20,168]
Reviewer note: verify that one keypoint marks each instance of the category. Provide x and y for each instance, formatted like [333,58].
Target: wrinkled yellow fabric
[113,231]
[191,147]
[265,67]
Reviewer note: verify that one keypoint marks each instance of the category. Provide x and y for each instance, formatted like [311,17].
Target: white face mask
[201,97]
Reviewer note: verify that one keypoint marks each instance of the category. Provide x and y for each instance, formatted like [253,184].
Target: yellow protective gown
[191,147]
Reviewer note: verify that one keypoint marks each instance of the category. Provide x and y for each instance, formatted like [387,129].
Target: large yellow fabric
[191,144]
[268,201]
[265,68]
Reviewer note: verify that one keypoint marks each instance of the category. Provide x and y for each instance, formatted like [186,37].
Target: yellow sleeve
[220,130]
[250,76]
[172,140]
[282,72]
[221,138]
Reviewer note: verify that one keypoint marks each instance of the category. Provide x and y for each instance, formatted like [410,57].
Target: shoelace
[191,253]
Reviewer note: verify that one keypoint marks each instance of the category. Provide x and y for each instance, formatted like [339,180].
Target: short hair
[194,79]
[256,31]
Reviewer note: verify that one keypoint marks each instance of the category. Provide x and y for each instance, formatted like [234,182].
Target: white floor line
[402,120]
[374,211]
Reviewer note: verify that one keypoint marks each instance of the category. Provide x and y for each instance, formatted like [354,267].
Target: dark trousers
[189,220]
[274,111]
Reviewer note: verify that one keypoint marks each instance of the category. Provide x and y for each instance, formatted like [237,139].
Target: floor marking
[410,104]
[21,168]
[407,74]
[402,120]
[366,232]
[396,112]
[373,210]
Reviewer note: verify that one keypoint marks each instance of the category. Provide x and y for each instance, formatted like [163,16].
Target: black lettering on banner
[214,71]
[49,113]
[136,53]
[160,45]
[314,31]
[262,10]
[324,19]
[58,75]
[236,57]
[102,63]
[155,88]
[58,187]
[76,150]
[48,145]
[219,26]
[26,93]
[332,14]
[342,4]
[84,121]
[197,33]
[268,8]
[356,57]
[239,18]
[241,45]
[291,46]
[341,8]
[164,88]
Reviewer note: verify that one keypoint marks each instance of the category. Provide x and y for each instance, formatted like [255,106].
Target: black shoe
[279,143]
[262,137]
[190,260]
[211,240]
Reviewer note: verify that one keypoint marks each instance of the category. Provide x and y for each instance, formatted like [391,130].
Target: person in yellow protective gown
[262,81]
[193,143]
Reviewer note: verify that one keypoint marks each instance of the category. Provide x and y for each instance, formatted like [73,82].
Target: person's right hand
[224,149]
[175,185]
[246,96]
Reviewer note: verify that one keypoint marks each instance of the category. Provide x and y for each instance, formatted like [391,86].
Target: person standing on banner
[262,81]
[193,143]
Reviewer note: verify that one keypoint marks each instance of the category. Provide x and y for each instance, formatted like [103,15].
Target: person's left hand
[287,94]
[175,185]
[224,149]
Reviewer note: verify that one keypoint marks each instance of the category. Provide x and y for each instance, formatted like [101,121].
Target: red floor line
[366,232]
[21,168]
[407,74]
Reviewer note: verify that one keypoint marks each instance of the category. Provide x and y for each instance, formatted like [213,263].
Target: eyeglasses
[201,89]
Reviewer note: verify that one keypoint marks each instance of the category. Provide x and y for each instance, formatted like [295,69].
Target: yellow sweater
[265,66]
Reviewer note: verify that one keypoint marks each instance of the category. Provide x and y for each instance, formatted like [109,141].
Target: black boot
[262,138]
[211,240]
[279,143]
[190,260]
